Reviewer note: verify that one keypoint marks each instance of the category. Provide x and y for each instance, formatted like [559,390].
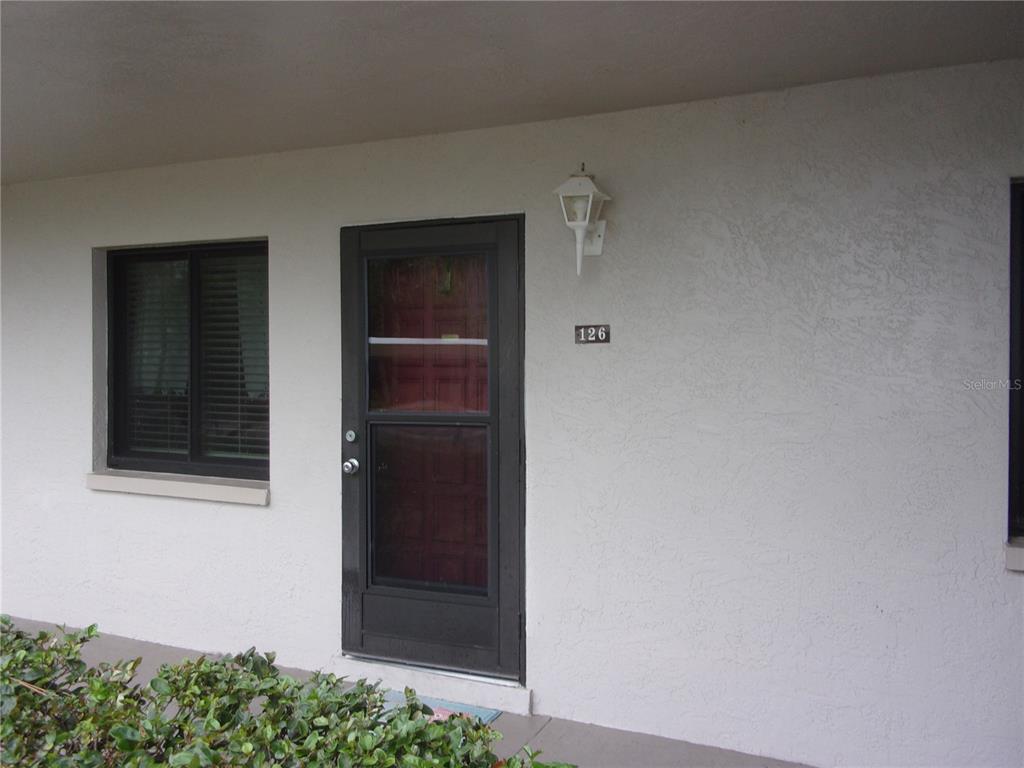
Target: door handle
[350,467]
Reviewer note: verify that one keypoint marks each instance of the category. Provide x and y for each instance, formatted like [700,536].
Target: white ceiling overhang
[90,87]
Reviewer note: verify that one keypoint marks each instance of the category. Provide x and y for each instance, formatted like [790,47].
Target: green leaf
[161,686]
[204,753]
[125,736]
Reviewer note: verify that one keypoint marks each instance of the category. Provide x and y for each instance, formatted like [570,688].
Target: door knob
[350,467]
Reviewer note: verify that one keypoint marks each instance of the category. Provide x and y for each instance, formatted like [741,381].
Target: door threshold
[480,690]
[477,676]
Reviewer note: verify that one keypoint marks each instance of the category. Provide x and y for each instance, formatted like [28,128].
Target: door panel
[429,511]
[428,333]
[432,395]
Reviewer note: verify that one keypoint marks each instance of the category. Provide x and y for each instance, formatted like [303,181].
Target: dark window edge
[1015,506]
[116,459]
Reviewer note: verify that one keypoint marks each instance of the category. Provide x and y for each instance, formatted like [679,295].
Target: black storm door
[432,504]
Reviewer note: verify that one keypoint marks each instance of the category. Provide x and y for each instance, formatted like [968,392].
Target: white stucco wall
[768,516]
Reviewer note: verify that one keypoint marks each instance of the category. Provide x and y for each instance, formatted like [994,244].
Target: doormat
[444,709]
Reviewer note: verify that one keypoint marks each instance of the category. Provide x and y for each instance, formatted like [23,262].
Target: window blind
[156,327]
[235,375]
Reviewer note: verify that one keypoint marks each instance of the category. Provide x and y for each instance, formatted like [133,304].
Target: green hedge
[236,711]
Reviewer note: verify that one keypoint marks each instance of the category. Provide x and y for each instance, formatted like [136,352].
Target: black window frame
[1015,523]
[117,371]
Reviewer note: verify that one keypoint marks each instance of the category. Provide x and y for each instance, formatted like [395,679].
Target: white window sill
[1015,555]
[222,489]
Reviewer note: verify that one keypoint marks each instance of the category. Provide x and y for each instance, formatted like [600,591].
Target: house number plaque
[593,334]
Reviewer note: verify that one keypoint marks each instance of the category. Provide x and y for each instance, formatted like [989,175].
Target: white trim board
[220,489]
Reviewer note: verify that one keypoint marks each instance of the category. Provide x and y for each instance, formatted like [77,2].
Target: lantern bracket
[581,202]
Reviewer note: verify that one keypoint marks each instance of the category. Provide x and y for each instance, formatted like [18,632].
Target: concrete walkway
[587,746]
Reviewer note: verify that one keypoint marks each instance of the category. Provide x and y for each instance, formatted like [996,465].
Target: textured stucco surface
[769,516]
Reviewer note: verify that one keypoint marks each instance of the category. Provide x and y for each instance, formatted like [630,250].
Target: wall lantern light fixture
[581,207]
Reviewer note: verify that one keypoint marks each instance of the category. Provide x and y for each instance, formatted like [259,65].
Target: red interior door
[428,353]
